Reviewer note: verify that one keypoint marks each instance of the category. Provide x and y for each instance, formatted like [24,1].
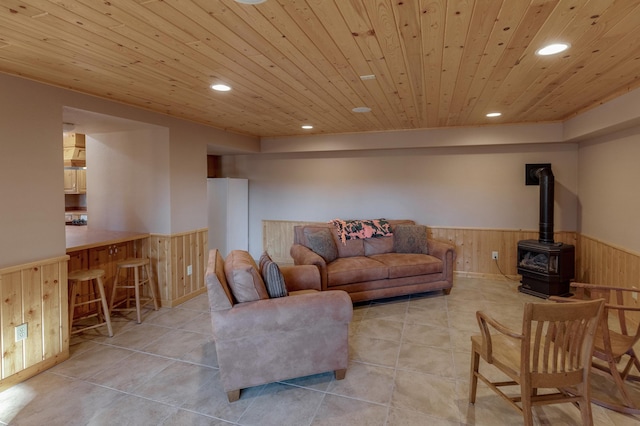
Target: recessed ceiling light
[552,49]
[368,77]
[220,87]
[307,126]
[361,109]
[494,114]
[251,1]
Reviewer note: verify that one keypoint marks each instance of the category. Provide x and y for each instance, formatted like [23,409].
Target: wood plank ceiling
[436,63]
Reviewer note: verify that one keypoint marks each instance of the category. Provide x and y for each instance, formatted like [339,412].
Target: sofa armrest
[305,256]
[446,253]
[282,314]
[440,249]
[301,277]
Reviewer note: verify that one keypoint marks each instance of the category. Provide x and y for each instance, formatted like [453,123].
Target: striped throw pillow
[273,279]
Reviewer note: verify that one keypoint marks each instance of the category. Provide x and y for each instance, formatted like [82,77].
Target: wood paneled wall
[170,255]
[473,246]
[597,262]
[36,294]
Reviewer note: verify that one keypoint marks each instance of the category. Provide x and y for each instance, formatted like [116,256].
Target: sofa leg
[233,395]
[340,374]
[446,291]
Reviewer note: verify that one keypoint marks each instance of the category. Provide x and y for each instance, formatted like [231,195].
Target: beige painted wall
[453,187]
[609,174]
[31,180]
[128,180]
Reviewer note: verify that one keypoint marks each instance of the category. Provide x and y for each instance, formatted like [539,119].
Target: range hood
[74,150]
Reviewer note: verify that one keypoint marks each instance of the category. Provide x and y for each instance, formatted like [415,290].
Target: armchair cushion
[243,277]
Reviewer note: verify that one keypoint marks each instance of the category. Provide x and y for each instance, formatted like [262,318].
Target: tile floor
[409,366]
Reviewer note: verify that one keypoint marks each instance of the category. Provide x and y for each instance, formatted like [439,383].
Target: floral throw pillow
[322,243]
[410,239]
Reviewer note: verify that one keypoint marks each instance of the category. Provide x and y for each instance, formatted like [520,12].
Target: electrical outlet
[189,270]
[21,332]
[494,255]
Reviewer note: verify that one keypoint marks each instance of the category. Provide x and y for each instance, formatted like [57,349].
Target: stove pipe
[547,183]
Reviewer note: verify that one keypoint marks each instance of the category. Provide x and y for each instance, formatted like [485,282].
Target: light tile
[279,404]
[426,359]
[173,318]
[428,394]
[176,384]
[409,365]
[183,418]
[339,411]
[138,336]
[365,382]
[91,362]
[381,328]
[131,371]
[374,351]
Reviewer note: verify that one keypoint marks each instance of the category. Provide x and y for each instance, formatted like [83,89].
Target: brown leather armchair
[276,339]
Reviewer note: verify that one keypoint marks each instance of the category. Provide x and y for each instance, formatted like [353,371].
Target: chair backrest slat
[561,336]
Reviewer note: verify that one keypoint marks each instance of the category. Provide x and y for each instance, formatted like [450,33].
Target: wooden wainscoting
[34,293]
[277,238]
[473,246]
[170,256]
[606,264]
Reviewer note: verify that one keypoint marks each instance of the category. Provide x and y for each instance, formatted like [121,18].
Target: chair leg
[613,369]
[136,285]
[233,395]
[473,379]
[151,287]
[525,393]
[72,301]
[113,291]
[105,307]
[585,405]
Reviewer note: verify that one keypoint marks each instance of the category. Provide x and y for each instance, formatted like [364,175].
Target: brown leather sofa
[273,339]
[371,268]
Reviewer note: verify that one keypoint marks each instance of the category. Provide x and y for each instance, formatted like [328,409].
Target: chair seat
[620,343]
[86,275]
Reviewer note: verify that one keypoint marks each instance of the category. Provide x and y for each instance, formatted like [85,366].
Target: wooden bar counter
[101,249]
[83,237]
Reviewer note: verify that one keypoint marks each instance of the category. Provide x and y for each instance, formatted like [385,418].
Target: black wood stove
[546,267]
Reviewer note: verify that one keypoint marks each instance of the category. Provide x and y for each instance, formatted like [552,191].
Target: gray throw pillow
[322,243]
[273,279]
[410,239]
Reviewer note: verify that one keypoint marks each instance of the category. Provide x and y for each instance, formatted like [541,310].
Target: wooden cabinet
[81,180]
[75,181]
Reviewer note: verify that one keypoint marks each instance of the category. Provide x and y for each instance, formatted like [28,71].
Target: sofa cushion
[350,248]
[410,239]
[321,242]
[273,278]
[243,277]
[348,270]
[378,245]
[408,264]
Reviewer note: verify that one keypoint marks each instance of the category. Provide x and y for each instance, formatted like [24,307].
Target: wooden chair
[553,350]
[614,341]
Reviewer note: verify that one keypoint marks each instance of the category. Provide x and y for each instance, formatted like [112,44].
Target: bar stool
[141,276]
[96,295]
